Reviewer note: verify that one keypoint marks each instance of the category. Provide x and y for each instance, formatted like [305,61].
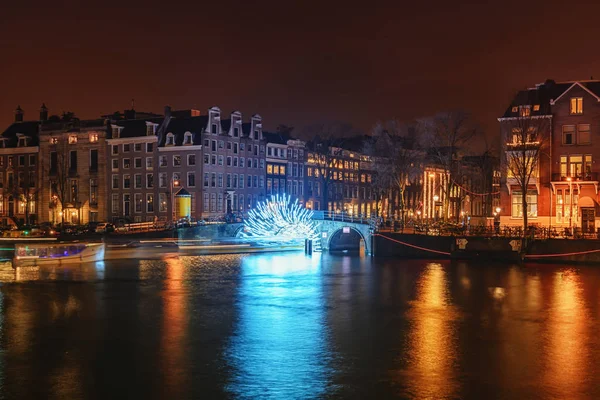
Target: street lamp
[569,179]
[174,182]
[436,198]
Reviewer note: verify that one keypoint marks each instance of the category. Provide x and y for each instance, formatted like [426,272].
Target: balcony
[589,177]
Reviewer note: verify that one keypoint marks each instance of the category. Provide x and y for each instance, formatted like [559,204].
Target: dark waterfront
[286,326]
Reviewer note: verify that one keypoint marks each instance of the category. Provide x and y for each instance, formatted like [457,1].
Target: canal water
[286,326]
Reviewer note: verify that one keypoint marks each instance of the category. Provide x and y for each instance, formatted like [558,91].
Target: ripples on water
[287,326]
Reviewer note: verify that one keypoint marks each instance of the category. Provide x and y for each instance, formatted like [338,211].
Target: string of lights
[279,217]
[474,193]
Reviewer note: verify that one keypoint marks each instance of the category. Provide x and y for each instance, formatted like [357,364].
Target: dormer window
[93,138]
[72,139]
[187,138]
[576,105]
[524,111]
[150,130]
[170,139]
[53,140]
[515,109]
[22,141]
[115,132]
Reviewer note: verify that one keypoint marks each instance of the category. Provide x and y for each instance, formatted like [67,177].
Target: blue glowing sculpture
[278,217]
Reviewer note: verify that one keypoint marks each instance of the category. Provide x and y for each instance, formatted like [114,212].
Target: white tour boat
[57,253]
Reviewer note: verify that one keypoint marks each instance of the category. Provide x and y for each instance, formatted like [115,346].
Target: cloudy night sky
[295,62]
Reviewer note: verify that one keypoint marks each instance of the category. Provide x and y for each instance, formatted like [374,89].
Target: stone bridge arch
[329,228]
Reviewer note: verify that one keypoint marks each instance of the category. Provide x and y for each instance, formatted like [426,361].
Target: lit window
[517,204]
[53,140]
[536,107]
[72,139]
[524,111]
[576,105]
[93,137]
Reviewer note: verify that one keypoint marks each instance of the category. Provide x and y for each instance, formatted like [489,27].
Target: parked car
[104,227]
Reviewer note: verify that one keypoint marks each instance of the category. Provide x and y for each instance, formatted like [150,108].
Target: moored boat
[57,253]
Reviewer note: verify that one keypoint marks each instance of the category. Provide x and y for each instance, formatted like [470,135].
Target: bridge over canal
[340,231]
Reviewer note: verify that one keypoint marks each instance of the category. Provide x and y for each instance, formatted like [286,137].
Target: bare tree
[395,159]
[445,135]
[525,138]
[58,172]
[23,189]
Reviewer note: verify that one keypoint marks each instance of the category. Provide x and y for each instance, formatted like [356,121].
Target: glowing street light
[569,179]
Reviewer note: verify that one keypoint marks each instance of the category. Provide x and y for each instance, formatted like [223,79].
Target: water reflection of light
[567,337]
[279,348]
[174,326]
[432,340]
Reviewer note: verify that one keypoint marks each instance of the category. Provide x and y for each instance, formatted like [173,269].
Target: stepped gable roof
[133,127]
[179,126]
[27,128]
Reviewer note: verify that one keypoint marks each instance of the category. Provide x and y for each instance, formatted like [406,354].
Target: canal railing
[343,217]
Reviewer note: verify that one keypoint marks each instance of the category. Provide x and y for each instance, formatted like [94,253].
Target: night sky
[294,62]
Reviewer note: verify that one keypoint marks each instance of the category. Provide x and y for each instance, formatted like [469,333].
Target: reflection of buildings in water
[280,345]
[567,337]
[173,338]
[432,341]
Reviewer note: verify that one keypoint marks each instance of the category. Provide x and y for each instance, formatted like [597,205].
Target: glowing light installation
[279,217]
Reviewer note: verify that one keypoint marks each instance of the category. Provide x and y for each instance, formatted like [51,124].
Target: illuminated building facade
[563,190]
[73,171]
[19,170]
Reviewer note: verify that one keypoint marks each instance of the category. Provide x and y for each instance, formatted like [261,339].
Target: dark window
[73,160]
[94,160]
[213,128]
[53,162]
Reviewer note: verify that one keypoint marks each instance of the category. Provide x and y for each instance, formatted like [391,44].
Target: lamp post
[497,219]
[174,182]
[569,179]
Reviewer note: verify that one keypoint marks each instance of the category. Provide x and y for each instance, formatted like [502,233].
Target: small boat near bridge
[27,254]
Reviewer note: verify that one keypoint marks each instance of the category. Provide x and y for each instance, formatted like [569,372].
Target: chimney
[129,114]
[167,111]
[43,113]
[19,114]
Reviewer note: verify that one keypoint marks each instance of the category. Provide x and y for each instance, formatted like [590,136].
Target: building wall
[84,207]
[132,157]
[19,163]
[219,147]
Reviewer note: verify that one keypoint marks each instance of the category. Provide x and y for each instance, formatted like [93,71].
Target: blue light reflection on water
[279,349]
